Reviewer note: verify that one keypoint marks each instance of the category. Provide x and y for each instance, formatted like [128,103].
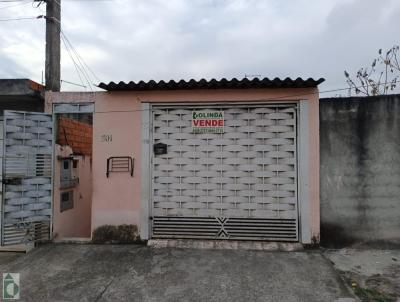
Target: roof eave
[202,84]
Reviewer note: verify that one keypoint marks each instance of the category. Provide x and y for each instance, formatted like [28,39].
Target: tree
[378,79]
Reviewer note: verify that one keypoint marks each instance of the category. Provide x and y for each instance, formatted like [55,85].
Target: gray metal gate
[240,184]
[26,209]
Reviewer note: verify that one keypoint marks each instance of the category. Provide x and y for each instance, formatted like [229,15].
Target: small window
[66,171]
[67,180]
[66,201]
[75,164]
[66,164]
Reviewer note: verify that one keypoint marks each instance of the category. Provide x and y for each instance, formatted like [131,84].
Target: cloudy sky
[182,39]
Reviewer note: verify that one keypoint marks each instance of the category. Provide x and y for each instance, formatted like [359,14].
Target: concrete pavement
[58,272]
[370,269]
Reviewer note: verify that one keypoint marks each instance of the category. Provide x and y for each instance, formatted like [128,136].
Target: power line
[22,18]
[72,83]
[81,63]
[79,58]
[8,1]
[14,5]
[73,60]
[39,3]
[259,100]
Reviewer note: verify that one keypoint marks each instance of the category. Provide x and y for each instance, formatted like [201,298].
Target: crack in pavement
[104,289]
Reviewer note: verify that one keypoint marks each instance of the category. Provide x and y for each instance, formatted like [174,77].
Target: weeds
[371,295]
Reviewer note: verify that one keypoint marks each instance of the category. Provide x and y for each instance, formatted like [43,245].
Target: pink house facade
[251,175]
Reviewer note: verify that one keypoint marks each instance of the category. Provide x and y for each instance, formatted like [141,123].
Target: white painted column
[144,228]
[304,173]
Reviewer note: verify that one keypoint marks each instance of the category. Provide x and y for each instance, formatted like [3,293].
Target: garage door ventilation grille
[26,232]
[225,228]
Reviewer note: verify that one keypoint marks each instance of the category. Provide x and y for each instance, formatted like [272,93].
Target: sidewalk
[67,272]
[372,273]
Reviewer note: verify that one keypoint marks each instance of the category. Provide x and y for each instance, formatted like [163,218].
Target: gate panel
[27,177]
[240,184]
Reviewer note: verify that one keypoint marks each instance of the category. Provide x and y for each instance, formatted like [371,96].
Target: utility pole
[53,55]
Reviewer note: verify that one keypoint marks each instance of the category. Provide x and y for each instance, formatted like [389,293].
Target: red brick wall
[77,135]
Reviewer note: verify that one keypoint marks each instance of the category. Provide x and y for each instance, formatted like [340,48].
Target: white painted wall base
[225,245]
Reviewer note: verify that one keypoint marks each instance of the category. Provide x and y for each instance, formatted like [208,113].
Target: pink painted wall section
[76,222]
[116,199]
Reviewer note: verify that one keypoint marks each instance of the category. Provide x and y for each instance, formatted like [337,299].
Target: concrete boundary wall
[360,170]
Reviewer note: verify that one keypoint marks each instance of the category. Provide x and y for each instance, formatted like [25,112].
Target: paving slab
[67,272]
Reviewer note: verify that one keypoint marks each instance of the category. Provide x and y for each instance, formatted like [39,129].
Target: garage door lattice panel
[249,171]
[27,167]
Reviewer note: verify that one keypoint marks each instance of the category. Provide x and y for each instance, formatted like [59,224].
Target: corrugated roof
[213,84]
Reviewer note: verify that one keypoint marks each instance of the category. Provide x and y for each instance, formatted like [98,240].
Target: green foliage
[371,295]
[115,234]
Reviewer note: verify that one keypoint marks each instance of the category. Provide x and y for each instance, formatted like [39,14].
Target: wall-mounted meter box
[160,149]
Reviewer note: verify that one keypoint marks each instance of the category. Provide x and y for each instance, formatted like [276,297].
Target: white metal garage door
[240,184]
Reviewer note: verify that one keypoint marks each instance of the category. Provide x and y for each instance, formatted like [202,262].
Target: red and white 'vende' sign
[207,121]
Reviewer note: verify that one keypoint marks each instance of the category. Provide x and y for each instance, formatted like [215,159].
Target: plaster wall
[75,222]
[360,170]
[117,199]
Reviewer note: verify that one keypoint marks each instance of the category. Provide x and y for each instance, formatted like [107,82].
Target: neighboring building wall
[21,104]
[21,87]
[360,170]
[78,136]
[76,222]
[117,199]
[17,95]
[21,95]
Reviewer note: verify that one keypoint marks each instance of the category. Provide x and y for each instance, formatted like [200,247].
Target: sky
[133,40]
